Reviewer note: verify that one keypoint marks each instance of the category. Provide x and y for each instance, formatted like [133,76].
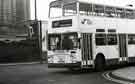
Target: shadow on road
[86,71]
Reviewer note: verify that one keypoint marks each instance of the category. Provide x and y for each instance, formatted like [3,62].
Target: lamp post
[35,10]
[38,33]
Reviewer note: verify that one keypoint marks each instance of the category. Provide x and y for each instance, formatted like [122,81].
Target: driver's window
[54,42]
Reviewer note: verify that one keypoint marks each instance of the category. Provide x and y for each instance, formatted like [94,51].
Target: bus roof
[98,2]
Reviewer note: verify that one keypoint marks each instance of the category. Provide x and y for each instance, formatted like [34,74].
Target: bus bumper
[64,65]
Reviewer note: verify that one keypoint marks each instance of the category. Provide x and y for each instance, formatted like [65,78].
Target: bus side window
[112,39]
[98,10]
[131,39]
[130,14]
[85,9]
[109,11]
[70,9]
[120,13]
[100,39]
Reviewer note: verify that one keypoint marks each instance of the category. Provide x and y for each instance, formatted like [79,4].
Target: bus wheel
[99,63]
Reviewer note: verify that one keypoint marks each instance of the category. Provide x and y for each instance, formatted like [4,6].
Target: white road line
[14,64]
[107,76]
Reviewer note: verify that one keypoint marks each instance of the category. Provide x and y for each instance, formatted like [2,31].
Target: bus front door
[87,50]
[122,47]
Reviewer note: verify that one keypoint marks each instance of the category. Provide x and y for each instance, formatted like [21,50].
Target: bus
[84,34]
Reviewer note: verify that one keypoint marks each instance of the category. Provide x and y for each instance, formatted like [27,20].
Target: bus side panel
[104,47]
[131,48]
[131,53]
[110,52]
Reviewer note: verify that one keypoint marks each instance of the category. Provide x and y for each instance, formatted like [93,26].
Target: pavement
[126,74]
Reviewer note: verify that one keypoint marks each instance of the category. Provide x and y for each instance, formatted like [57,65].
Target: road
[40,74]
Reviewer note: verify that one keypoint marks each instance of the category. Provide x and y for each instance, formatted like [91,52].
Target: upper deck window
[130,14]
[98,10]
[110,11]
[58,9]
[120,13]
[106,11]
[85,9]
[55,10]
[69,9]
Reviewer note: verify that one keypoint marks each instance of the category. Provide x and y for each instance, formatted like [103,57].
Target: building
[13,14]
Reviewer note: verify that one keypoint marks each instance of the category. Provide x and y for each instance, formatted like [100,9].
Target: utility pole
[39,32]
[2,11]
[35,10]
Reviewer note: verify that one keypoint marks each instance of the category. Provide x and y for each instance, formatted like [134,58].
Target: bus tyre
[99,63]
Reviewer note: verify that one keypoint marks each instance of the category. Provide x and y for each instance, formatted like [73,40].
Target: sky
[43,6]
[42,9]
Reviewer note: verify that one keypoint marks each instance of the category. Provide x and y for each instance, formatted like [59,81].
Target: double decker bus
[90,35]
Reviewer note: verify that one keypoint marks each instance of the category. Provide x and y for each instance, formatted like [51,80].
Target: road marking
[14,64]
[108,77]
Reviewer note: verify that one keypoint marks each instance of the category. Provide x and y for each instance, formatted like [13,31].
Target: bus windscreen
[62,42]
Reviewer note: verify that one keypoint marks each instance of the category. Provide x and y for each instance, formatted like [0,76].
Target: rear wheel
[99,63]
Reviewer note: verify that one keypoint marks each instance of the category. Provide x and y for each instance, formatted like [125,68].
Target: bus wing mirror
[79,39]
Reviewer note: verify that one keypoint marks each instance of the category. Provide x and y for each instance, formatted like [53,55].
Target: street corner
[126,74]
[123,76]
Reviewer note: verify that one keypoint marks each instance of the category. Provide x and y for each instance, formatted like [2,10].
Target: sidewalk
[125,74]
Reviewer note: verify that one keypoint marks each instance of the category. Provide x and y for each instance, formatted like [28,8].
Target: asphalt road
[40,74]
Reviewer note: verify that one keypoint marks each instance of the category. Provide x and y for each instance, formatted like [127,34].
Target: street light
[35,10]
[38,29]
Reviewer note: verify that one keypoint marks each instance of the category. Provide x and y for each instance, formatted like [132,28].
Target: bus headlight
[73,56]
[50,59]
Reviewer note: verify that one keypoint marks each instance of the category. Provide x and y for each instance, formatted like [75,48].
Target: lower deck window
[106,39]
[100,39]
[131,39]
[112,39]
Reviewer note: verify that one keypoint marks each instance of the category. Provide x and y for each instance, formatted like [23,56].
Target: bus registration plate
[61,60]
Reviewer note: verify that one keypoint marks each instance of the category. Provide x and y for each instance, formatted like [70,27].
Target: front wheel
[99,63]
